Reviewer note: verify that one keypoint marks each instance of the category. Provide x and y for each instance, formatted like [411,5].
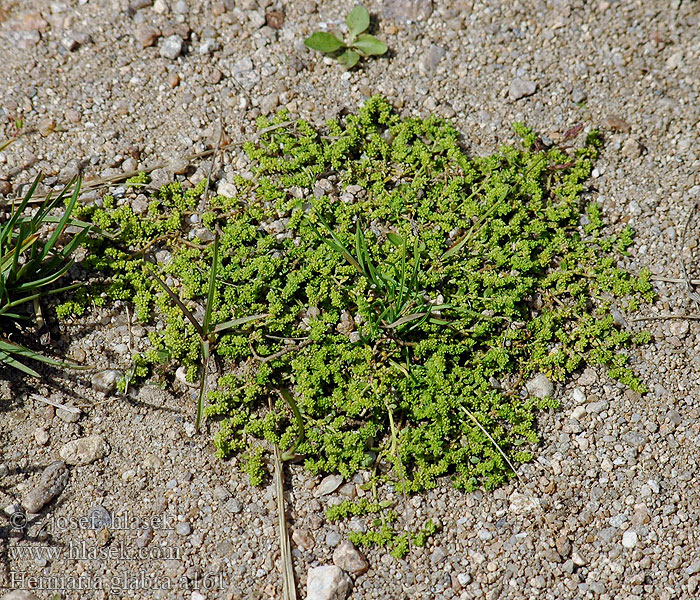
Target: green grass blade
[212,286]
[10,225]
[202,388]
[301,435]
[358,246]
[467,236]
[76,241]
[402,277]
[338,246]
[48,279]
[174,297]
[48,246]
[12,362]
[25,299]
[16,349]
[236,322]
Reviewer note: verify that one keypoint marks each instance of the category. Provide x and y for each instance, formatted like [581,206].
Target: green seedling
[361,44]
[29,264]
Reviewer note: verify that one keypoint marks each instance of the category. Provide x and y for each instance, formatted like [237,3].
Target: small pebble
[521,88]
[327,582]
[146,34]
[85,450]
[328,485]
[105,381]
[171,47]
[53,480]
[629,539]
[350,559]
[41,436]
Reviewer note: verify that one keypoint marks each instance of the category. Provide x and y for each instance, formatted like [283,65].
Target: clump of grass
[32,258]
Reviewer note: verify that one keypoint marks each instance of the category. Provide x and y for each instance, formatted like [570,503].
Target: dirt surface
[109,86]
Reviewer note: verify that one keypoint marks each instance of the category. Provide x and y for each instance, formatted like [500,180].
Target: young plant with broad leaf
[360,44]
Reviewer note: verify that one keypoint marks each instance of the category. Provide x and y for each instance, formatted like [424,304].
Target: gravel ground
[107,86]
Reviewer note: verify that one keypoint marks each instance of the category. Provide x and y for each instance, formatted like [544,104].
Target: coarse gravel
[109,86]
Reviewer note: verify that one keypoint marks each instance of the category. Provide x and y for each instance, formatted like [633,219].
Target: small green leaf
[349,58]
[369,45]
[395,239]
[357,21]
[323,42]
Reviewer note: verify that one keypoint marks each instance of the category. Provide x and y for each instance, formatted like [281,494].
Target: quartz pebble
[328,485]
[171,47]
[327,582]
[84,451]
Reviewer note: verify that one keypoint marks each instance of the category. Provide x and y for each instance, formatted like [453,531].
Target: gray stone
[579,95]
[140,204]
[635,438]
[181,8]
[256,19]
[521,88]
[540,387]
[233,506]
[85,450]
[328,485]
[303,539]
[563,546]
[183,528]
[597,407]
[105,381]
[52,483]
[327,582]
[464,578]
[99,518]
[145,538]
[693,568]
[438,555]
[269,103]
[332,538]
[618,520]
[244,73]
[349,558]
[69,43]
[432,57]
[221,493]
[69,414]
[209,46]
[408,10]
[631,149]
[171,47]
[607,534]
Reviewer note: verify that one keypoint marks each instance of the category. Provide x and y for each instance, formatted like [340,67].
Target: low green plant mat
[403,293]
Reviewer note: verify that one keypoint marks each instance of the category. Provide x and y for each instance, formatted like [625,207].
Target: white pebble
[629,539]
